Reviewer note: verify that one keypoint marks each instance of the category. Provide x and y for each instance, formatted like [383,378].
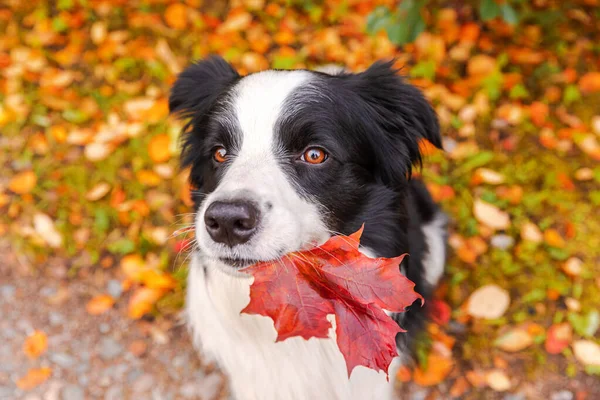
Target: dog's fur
[370,125]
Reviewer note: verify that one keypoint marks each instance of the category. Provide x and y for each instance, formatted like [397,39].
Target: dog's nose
[231,222]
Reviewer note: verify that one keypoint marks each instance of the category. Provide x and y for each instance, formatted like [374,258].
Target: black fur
[369,123]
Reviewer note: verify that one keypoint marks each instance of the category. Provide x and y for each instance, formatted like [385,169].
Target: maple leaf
[298,292]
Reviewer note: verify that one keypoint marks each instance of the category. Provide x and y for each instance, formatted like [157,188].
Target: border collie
[283,159]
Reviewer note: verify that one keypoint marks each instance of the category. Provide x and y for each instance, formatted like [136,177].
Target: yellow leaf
[23,182]
[99,304]
[133,266]
[176,16]
[159,148]
[157,280]
[34,377]
[553,238]
[148,178]
[142,301]
[35,345]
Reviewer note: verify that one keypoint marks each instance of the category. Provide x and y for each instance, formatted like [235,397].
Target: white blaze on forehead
[258,101]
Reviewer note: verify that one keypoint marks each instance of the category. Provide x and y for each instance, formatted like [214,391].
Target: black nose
[231,222]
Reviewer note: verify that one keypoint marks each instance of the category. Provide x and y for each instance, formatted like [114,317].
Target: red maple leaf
[298,292]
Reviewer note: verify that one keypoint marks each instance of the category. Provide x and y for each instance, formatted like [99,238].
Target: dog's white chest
[258,368]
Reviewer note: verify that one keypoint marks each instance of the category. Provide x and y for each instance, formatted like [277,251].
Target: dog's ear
[197,88]
[403,116]
[193,95]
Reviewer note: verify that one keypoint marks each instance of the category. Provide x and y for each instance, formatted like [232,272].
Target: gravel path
[111,357]
[92,357]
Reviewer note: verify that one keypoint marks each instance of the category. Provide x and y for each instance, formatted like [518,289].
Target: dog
[285,159]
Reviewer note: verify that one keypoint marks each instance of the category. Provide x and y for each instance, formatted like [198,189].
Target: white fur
[260,369]
[435,236]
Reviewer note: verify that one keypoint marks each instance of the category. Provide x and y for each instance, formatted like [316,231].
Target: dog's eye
[220,154]
[314,155]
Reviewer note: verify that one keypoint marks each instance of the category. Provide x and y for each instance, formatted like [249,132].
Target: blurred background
[93,206]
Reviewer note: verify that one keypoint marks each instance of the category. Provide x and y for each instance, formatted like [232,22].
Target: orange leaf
[553,238]
[35,344]
[176,16]
[99,304]
[157,280]
[590,82]
[438,368]
[148,178]
[538,112]
[426,148]
[23,182]
[34,377]
[158,148]
[142,301]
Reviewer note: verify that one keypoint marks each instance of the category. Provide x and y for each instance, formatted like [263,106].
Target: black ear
[193,95]
[197,88]
[403,115]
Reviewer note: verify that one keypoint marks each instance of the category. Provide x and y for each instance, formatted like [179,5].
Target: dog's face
[284,159]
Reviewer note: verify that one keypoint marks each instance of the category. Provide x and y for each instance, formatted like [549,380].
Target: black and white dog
[284,159]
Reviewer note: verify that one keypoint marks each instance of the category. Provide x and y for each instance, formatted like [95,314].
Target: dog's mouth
[238,263]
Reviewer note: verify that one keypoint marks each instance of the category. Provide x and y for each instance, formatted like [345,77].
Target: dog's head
[285,159]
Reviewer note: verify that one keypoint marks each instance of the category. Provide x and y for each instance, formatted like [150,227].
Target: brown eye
[220,154]
[314,155]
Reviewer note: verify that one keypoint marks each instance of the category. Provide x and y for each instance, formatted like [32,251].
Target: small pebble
[47,291]
[5,393]
[109,349]
[63,360]
[114,393]
[562,395]
[72,392]
[419,395]
[143,383]
[114,288]
[514,396]
[210,386]
[55,318]
[7,292]
[104,328]
[502,242]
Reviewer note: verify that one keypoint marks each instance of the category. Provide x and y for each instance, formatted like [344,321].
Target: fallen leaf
[23,182]
[98,191]
[488,176]
[300,290]
[459,388]
[573,267]
[35,344]
[481,65]
[34,377]
[438,368]
[488,302]
[490,215]
[498,381]
[439,311]
[44,227]
[590,82]
[142,301]
[558,338]
[530,232]
[99,304]
[538,112]
[157,280]
[516,339]
[159,148]
[176,16]
[138,348]
[553,238]
[587,352]
[133,266]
